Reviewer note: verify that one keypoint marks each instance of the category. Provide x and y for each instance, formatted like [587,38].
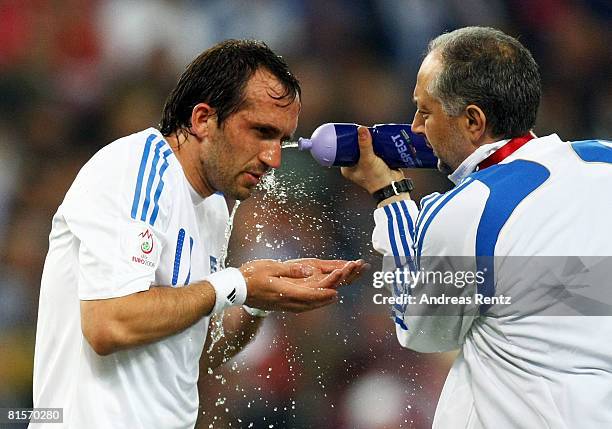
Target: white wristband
[255,312]
[230,289]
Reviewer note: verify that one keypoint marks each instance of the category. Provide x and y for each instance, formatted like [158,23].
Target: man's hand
[322,267]
[296,286]
[371,172]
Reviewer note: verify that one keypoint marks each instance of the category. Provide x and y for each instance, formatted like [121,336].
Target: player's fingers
[293,270]
[333,279]
[304,298]
[356,273]
[327,266]
[313,305]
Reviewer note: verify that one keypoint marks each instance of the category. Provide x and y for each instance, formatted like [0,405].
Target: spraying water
[217,332]
[285,145]
[290,212]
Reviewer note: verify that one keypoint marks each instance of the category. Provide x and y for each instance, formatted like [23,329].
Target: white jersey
[130,221]
[536,360]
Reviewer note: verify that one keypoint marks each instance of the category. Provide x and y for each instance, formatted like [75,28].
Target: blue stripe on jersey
[412,233]
[152,174]
[407,214]
[426,199]
[402,232]
[425,207]
[177,256]
[593,151]
[447,197]
[391,233]
[141,170]
[190,252]
[398,263]
[401,323]
[160,186]
[508,184]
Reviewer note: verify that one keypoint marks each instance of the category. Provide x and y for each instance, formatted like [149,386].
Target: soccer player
[133,271]
[530,215]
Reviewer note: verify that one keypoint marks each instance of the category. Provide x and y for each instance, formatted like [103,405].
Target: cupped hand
[322,267]
[296,286]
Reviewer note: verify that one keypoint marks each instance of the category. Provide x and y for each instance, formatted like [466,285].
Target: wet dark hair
[488,68]
[218,77]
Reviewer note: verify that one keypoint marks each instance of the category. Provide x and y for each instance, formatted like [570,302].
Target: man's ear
[201,117]
[475,124]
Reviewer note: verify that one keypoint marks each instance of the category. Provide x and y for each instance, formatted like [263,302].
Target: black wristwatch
[395,188]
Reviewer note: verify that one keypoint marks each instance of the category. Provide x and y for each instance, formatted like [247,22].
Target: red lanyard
[505,151]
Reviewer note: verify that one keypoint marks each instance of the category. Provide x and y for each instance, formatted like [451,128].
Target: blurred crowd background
[77,74]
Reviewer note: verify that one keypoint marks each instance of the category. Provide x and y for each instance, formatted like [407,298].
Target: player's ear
[202,117]
[475,122]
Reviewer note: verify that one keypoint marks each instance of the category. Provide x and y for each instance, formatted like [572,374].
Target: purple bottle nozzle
[322,145]
[304,144]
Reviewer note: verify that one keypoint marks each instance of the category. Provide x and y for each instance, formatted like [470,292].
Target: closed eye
[266,132]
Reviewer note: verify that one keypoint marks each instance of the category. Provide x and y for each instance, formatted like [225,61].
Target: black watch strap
[395,188]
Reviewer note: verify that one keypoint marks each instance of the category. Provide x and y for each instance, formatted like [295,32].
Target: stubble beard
[454,142]
[223,181]
[217,171]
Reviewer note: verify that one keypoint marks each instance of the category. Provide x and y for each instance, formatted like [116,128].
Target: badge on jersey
[141,245]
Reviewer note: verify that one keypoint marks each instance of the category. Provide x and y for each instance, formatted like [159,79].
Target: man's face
[443,132]
[248,144]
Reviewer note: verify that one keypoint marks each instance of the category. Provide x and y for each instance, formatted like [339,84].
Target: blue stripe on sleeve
[425,209]
[402,231]
[391,232]
[426,199]
[160,187]
[397,310]
[177,256]
[152,174]
[448,196]
[401,323]
[141,170]
[409,219]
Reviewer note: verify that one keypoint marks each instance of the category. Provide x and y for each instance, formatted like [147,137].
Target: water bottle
[335,144]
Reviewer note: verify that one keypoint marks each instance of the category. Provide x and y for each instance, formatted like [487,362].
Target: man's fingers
[334,279]
[327,266]
[293,270]
[356,273]
[299,268]
[308,297]
[365,142]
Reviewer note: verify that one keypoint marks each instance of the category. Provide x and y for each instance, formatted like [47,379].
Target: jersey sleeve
[420,325]
[118,212]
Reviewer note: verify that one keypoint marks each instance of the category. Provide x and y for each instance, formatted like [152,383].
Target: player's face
[248,144]
[443,132]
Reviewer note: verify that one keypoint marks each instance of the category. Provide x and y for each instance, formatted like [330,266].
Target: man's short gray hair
[488,68]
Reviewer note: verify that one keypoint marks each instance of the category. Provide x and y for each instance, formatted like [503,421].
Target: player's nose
[270,154]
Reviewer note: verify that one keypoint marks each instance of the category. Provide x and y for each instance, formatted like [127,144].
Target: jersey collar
[505,151]
[486,155]
[470,163]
